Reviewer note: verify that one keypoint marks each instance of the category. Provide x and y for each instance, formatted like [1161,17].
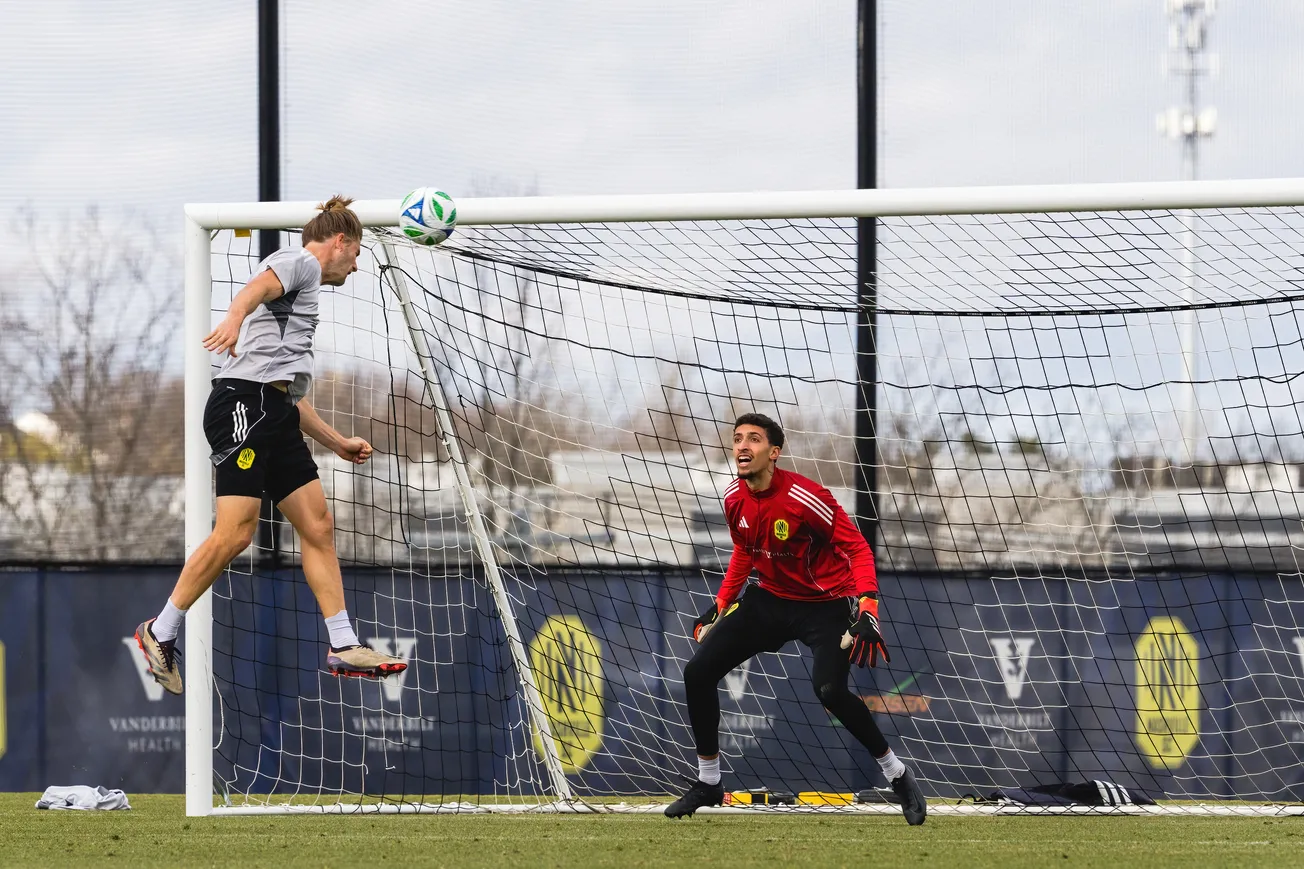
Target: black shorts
[765,622]
[253,431]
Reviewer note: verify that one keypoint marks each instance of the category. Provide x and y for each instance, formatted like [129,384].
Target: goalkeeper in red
[817,585]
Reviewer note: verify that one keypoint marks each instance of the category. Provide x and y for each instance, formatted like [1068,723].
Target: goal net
[1087,458]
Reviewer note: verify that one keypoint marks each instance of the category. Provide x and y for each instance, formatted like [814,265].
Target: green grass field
[156,833]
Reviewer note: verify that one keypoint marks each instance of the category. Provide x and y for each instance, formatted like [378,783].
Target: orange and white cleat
[163,658]
[363,661]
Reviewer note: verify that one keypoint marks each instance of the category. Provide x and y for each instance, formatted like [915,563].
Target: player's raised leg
[307,511]
[233,530]
[829,671]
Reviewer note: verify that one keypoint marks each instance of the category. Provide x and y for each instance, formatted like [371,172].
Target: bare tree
[957,498]
[94,354]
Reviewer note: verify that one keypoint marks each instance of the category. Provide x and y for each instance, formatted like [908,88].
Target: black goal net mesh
[1087,458]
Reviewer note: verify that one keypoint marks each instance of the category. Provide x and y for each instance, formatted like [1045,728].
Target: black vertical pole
[867,289]
[269,116]
[269,190]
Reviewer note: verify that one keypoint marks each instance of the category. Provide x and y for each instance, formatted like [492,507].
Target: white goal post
[203,221]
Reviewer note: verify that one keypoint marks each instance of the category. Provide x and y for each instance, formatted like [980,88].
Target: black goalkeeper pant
[765,623]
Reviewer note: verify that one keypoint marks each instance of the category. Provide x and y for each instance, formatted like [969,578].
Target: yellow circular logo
[1167,692]
[567,664]
[780,529]
[245,459]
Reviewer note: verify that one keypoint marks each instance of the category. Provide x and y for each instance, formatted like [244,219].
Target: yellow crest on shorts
[245,460]
[780,529]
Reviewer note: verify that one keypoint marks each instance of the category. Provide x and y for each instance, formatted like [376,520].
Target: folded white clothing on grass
[82,797]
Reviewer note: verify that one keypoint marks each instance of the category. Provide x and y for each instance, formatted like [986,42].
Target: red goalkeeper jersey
[800,541]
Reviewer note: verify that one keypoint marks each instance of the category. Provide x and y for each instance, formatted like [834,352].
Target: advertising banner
[1185,685]
[21,726]
[106,721]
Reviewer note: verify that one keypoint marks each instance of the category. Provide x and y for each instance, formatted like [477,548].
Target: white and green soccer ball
[427,216]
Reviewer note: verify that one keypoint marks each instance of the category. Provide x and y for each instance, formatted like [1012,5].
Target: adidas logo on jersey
[742,523]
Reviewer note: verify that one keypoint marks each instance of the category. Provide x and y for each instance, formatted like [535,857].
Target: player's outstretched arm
[356,450]
[265,287]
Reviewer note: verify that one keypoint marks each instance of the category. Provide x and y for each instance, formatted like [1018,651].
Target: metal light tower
[1188,58]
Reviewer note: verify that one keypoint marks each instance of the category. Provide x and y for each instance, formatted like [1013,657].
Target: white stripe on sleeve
[819,508]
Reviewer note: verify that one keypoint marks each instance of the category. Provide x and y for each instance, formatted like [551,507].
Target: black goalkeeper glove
[707,620]
[864,637]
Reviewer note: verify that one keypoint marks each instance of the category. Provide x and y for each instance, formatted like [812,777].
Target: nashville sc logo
[1168,700]
[780,529]
[245,460]
[567,663]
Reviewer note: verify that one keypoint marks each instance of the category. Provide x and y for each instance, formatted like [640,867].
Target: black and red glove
[864,637]
[707,620]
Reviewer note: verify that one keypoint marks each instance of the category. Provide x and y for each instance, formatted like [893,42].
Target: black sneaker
[700,794]
[913,804]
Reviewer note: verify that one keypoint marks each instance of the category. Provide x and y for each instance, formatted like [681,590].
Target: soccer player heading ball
[817,585]
[255,421]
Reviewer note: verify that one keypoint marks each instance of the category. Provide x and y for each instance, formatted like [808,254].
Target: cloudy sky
[148,104]
[138,107]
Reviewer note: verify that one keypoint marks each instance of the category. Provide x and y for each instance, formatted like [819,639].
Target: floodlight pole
[269,116]
[269,190]
[1187,56]
[866,280]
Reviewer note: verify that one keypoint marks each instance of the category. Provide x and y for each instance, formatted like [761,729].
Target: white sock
[341,630]
[168,624]
[708,771]
[891,765]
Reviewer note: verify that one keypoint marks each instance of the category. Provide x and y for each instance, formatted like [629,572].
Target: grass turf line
[156,833]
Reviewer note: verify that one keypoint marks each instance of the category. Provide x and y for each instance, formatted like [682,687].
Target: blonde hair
[335,218]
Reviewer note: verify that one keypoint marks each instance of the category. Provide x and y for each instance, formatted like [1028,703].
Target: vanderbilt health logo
[399,647]
[1012,655]
[387,728]
[1017,727]
[153,690]
[1291,718]
[735,681]
[567,664]
[151,733]
[742,730]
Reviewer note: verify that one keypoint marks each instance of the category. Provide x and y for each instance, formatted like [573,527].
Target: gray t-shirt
[276,340]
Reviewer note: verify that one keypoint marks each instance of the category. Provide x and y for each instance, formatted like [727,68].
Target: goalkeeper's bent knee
[830,693]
